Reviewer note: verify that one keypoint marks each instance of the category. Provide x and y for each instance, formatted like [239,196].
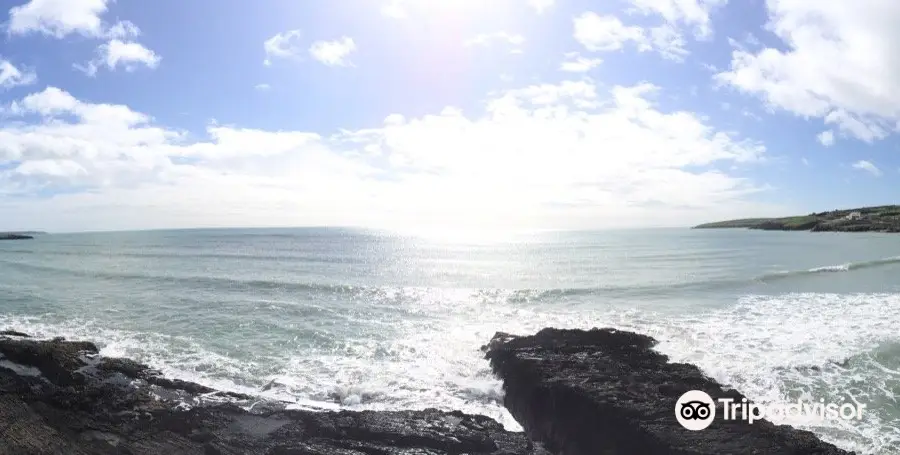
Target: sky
[438,114]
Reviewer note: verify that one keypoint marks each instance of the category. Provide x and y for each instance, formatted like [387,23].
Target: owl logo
[695,410]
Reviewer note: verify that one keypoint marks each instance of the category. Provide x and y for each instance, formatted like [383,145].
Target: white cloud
[283,45]
[607,33]
[576,63]
[123,30]
[58,18]
[60,168]
[103,146]
[541,5]
[10,76]
[848,124]
[486,39]
[868,167]
[550,155]
[333,53]
[838,63]
[125,54]
[263,87]
[53,101]
[668,41]
[691,13]
[804,161]
[826,138]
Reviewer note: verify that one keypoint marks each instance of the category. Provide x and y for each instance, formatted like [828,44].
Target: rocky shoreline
[575,392]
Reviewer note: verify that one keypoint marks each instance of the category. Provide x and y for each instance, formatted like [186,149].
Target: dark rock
[61,397]
[15,237]
[57,360]
[13,333]
[605,391]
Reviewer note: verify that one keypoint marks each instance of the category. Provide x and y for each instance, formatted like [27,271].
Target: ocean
[340,318]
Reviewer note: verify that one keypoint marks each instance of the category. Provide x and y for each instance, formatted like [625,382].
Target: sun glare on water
[471,235]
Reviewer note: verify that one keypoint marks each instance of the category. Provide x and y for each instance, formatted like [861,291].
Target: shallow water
[334,318]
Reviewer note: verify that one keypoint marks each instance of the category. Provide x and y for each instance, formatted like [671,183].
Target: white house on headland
[853,216]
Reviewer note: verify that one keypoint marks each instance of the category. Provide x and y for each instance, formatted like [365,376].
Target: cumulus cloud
[58,18]
[826,138]
[599,33]
[605,33]
[123,30]
[838,62]
[11,76]
[333,53]
[283,45]
[575,63]
[867,166]
[116,53]
[550,155]
[694,14]
[675,17]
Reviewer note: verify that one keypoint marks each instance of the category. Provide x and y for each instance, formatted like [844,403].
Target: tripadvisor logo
[696,410]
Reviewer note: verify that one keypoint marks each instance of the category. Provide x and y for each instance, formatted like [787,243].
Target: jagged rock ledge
[608,392]
[61,397]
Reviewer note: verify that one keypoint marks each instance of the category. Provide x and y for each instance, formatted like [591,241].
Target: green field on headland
[885,218]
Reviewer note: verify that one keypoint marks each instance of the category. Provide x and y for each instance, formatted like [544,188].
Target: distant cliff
[14,236]
[884,218]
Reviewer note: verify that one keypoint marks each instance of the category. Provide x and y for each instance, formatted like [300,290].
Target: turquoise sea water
[334,318]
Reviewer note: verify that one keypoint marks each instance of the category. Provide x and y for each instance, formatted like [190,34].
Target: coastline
[575,392]
[883,219]
[16,237]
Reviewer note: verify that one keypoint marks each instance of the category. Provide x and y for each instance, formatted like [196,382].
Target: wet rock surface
[61,397]
[605,391]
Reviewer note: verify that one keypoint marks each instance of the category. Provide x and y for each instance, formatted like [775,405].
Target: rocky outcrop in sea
[606,391]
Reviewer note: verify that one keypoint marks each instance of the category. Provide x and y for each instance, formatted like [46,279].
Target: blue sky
[430,113]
